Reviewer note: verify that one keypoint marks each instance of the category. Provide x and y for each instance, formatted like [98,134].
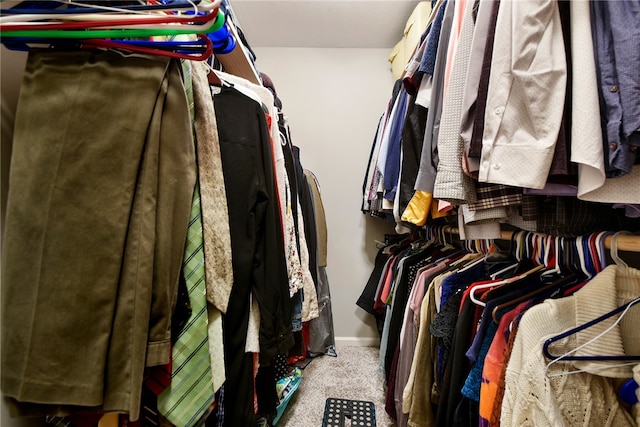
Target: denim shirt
[616,35]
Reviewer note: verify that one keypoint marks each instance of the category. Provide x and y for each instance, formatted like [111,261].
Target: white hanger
[614,248]
[620,262]
[471,264]
[519,240]
[111,13]
[472,294]
[601,334]
[553,242]
[581,256]
[497,274]
[601,250]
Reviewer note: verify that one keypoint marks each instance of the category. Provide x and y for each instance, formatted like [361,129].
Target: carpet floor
[353,375]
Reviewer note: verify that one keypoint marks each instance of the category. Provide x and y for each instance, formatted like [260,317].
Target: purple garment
[616,37]
[630,211]
[475,148]
[551,189]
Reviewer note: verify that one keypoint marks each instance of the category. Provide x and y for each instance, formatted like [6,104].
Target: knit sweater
[534,396]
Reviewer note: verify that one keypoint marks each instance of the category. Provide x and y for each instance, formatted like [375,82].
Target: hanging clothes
[100,256]
[321,333]
[477,156]
[257,247]
[531,383]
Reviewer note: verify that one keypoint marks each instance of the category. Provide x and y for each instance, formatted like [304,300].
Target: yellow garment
[417,211]
[415,26]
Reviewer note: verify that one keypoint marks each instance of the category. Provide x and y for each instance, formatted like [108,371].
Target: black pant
[257,247]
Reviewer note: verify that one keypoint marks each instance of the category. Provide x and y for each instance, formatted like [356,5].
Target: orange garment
[388,281]
[492,386]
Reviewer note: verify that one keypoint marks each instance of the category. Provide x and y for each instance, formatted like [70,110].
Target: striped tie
[191,392]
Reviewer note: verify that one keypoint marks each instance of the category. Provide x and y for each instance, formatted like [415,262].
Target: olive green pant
[102,174]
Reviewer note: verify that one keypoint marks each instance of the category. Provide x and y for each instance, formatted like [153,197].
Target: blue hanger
[220,35]
[548,355]
[187,46]
[225,47]
[585,259]
[628,392]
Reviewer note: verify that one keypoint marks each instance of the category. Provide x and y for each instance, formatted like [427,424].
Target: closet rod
[236,62]
[626,243]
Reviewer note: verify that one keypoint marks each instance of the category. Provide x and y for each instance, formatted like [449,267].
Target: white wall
[333,99]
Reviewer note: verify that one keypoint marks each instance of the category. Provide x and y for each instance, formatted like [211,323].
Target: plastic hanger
[109,16]
[594,248]
[112,21]
[543,290]
[225,47]
[502,272]
[472,264]
[445,243]
[623,308]
[542,251]
[499,262]
[519,241]
[41,7]
[614,248]
[474,289]
[568,356]
[528,245]
[536,249]
[196,50]
[601,250]
[628,392]
[152,50]
[569,257]
[585,250]
[552,257]
[210,26]
[472,293]
[628,389]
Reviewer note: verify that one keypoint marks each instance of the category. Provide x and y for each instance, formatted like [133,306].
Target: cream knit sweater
[533,397]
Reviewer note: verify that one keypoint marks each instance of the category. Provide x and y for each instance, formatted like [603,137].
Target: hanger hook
[614,248]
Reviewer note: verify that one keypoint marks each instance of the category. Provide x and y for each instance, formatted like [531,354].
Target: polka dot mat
[338,411]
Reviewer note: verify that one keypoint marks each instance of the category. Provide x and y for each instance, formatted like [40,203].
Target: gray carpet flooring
[353,375]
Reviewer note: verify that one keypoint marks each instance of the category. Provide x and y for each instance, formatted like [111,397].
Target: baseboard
[357,341]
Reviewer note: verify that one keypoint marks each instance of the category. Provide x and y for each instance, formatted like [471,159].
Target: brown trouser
[101,179]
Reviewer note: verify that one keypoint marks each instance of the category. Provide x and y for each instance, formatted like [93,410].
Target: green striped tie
[191,392]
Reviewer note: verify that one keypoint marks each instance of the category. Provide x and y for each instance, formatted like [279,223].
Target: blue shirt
[392,162]
[428,60]
[616,37]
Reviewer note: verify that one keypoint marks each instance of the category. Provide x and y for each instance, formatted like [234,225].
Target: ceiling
[327,23]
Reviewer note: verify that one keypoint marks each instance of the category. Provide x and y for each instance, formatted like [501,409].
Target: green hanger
[216,24]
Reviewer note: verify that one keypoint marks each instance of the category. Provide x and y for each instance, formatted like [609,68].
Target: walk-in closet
[301,213]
